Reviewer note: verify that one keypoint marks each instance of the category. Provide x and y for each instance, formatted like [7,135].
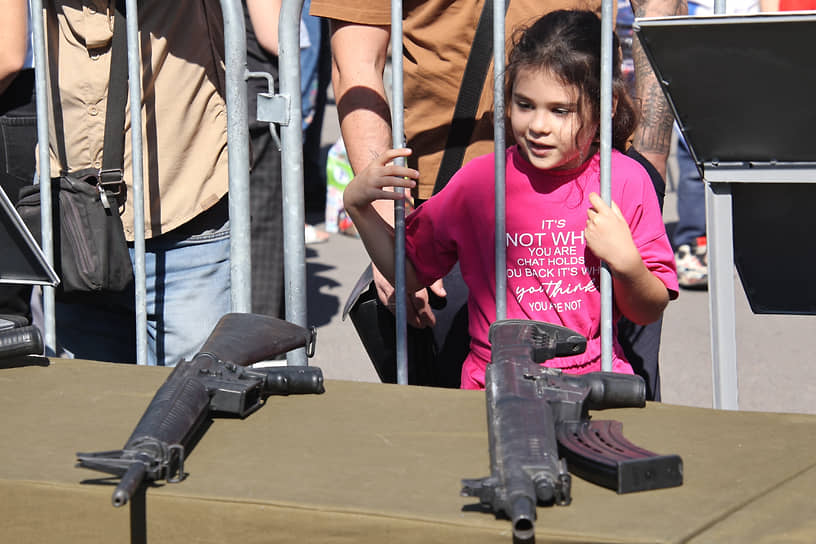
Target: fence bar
[721,303]
[41,88]
[607,22]
[397,138]
[499,145]
[294,216]
[238,141]
[135,87]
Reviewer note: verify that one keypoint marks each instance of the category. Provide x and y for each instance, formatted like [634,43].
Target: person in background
[262,21]
[184,124]
[315,76]
[265,182]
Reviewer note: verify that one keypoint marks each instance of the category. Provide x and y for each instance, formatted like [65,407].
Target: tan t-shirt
[184,118]
[437,35]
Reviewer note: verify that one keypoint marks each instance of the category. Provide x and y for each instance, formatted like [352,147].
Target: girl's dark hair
[568,44]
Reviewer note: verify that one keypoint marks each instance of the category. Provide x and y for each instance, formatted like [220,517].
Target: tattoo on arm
[653,135]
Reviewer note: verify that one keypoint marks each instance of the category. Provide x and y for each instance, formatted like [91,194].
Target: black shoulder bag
[90,251]
[373,321]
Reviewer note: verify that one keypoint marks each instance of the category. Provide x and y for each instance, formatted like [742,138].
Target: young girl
[558,228]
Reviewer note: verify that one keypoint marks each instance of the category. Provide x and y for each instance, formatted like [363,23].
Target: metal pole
[238,138]
[720,240]
[499,10]
[607,20]
[294,216]
[135,85]
[397,132]
[41,87]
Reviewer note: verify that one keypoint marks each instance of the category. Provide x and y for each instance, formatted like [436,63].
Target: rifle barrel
[130,482]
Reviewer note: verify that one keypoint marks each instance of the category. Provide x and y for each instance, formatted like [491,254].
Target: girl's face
[546,123]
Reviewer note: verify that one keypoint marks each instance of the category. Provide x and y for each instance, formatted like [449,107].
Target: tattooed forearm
[654,131]
[653,135]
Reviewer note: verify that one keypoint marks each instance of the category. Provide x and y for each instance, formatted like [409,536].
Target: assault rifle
[535,413]
[214,382]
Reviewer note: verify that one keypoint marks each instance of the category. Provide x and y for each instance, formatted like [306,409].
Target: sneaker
[702,250]
[345,226]
[692,264]
[313,235]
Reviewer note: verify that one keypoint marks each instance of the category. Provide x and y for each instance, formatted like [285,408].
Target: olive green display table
[375,463]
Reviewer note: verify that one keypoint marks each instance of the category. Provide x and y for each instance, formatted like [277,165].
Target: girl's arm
[376,233]
[639,294]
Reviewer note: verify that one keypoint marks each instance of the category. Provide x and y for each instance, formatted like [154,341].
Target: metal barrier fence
[285,109]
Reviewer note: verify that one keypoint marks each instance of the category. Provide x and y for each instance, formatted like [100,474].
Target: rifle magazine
[598,452]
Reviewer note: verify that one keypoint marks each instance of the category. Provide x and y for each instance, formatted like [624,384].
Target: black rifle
[214,382]
[18,338]
[534,413]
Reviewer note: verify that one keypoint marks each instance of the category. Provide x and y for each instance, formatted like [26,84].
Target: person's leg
[689,236]
[640,343]
[18,138]
[691,220]
[189,290]
[98,328]
[315,76]
[309,65]
[266,209]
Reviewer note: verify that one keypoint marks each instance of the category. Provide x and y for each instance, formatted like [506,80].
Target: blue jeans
[188,290]
[691,212]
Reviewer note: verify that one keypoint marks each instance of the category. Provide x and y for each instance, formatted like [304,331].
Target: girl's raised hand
[369,185]
[608,236]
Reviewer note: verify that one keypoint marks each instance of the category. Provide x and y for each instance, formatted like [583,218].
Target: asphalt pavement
[774,352]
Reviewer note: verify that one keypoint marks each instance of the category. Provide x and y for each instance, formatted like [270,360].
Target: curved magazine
[598,452]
